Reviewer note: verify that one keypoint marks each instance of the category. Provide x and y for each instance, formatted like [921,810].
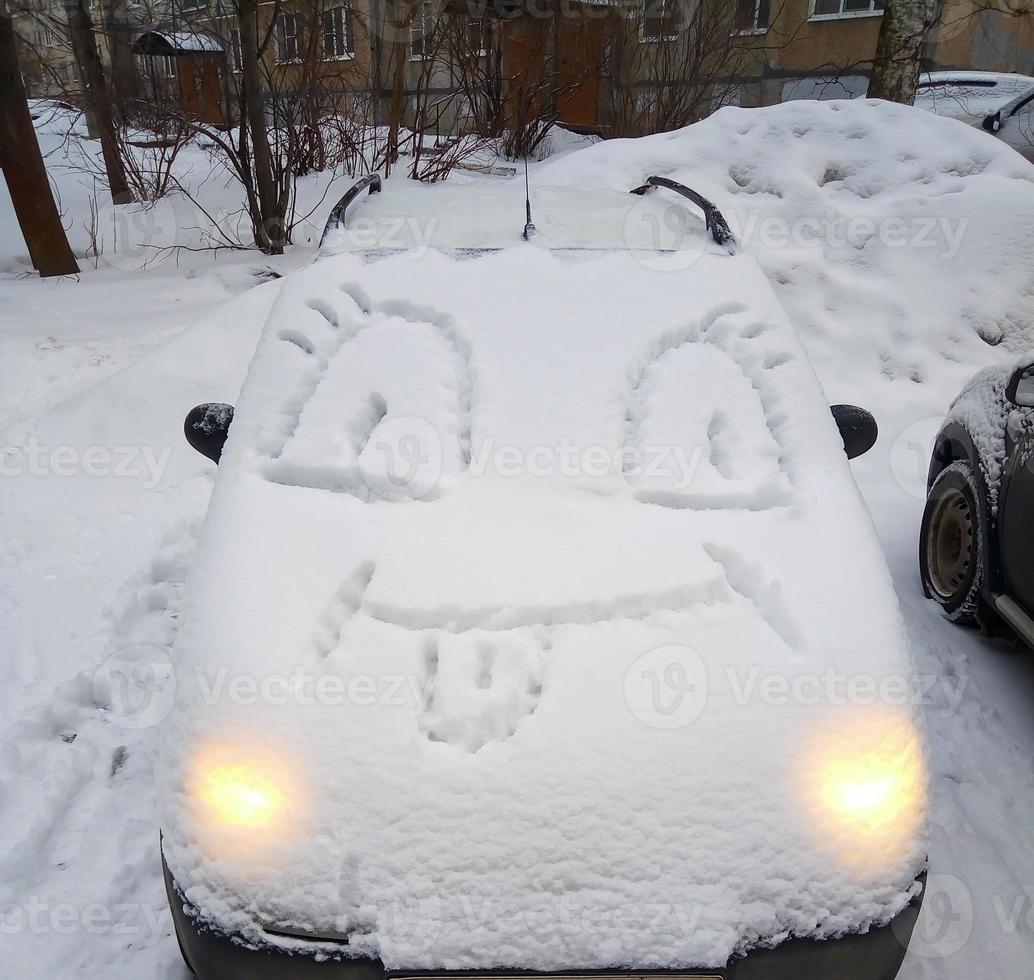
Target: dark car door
[1016,510]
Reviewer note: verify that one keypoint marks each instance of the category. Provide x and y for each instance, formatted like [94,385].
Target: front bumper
[874,955]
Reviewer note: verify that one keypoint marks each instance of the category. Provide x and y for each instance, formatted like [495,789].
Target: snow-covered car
[537,624]
[1000,103]
[974,550]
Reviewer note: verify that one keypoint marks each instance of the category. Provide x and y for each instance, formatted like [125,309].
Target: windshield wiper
[337,215]
[713,218]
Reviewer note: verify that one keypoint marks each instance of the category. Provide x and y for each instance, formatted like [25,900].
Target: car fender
[955,442]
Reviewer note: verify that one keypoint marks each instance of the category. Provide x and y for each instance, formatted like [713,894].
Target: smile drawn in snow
[482,671]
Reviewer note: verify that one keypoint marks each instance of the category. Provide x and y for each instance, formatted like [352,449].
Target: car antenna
[529,227]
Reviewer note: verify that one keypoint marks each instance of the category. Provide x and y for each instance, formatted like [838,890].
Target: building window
[286,37]
[477,36]
[44,35]
[337,33]
[420,31]
[752,15]
[846,8]
[659,21]
[236,52]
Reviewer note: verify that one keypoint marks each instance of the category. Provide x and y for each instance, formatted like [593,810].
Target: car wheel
[952,541]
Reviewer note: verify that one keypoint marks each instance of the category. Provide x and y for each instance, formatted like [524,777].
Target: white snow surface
[897,329]
[521,604]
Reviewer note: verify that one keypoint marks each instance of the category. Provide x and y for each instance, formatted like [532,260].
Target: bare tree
[899,50]
[520,98]
[23,168]
[96,97]
[474,47]
[118,33]
[267,217]
[671,64]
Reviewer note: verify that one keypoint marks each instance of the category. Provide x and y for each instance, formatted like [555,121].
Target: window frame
[757,27]
[281,37]
[236,51]
[844,14]
[329,16]
[667,14]
[424,18]
[480,51]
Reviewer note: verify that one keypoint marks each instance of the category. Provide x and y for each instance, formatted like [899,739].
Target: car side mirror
[993,122]
[1020,390]
[857,428]
[207,426]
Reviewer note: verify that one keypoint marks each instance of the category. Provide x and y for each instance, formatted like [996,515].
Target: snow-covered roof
[187,41]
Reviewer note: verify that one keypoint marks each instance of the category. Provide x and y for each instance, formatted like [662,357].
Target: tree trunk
[396,108]
[23,169]
[120,46]
[899,50]
[269,233]
[96,97]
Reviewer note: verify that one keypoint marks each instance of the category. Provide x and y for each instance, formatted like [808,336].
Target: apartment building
[617,66]
[823,48]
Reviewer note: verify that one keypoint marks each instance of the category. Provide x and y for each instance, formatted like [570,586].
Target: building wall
[798,56]
[830,57]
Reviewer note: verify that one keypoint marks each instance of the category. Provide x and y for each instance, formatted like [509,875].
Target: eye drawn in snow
[351,426]
[722,425]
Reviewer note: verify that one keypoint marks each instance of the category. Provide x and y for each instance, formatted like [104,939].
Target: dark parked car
[974,552]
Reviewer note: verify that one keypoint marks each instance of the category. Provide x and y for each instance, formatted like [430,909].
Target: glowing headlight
[244,797]
[240,795]
[869,782]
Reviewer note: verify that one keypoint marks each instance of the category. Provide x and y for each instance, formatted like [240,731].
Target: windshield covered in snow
[970,96]
[407,215]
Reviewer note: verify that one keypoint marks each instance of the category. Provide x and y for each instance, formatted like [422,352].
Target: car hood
[537,622]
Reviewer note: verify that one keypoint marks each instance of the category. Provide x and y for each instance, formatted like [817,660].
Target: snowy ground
[100,501]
